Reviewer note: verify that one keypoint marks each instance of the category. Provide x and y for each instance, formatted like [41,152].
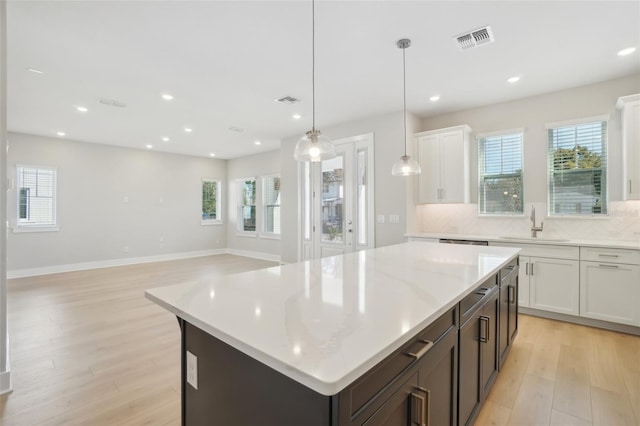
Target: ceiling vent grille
[475,38]
[112,102]
[288,100]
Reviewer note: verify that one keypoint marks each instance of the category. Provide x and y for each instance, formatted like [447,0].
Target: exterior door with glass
[338,201]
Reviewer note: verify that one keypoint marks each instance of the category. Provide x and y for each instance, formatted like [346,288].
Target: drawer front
[366,391]
[545,250]
[612,255]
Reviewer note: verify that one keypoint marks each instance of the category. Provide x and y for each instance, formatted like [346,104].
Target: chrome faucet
[535,229]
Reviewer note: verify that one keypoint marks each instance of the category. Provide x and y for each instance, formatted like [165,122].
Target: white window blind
[36,196]
[271,204]
[247,205]
[577,165]
[500,184]
[211,201]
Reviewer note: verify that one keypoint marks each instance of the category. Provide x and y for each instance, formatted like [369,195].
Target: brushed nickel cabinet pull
[418,409]
[512,293]
[484,325]
[608,266]
[428,345]
[427,416]
[607,255]
[531,270]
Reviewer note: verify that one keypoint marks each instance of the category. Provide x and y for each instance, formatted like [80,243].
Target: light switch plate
[380,218]
[192,370]
[394,218]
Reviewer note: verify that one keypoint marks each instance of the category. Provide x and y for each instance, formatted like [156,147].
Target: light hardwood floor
[88,349]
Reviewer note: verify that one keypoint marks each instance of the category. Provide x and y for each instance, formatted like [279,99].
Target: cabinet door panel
[610,292]
[438,375]
[469,369]
[429,159]
[489,347]
[554,285]
[523,281]
[397,410]
[453,175]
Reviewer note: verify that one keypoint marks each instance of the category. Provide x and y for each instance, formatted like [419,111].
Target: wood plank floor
[88,349]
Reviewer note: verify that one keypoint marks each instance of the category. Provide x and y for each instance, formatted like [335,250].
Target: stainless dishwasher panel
[468,242]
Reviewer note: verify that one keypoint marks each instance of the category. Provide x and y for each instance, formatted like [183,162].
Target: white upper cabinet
[444,155]
[630,106]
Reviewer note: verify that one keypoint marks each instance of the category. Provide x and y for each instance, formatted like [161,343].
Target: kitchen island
[334,340]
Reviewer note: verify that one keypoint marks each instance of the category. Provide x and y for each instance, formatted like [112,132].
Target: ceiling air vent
[112,102]
[288,100]
[475,38]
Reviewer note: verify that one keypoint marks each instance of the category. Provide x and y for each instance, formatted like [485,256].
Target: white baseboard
[255,254]
[45,270]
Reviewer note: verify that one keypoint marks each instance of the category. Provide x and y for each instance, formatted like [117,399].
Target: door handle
[484,324]
[421,407]
[512,293]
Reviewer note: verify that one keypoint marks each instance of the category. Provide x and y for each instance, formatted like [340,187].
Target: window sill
[270,236]
[500,215]
[211,222]
[576,216]
[27,229]
[247,234]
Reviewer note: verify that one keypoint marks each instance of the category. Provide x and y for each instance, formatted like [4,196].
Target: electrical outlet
[192,370]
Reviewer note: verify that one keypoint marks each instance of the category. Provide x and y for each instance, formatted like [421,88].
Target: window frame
[605,147]
[264,206]
[37,226]
[240,231]
[480,156]
[219,205]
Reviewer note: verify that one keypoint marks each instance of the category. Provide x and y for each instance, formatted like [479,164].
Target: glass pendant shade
[406,166]
[314,147]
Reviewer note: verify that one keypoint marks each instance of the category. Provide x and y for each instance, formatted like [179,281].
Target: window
[36,196]
[500,184]
[211,202]
[247,205]
[271,204]
[577,165]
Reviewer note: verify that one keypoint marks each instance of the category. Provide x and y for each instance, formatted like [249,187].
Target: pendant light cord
[313,65]
[404,99]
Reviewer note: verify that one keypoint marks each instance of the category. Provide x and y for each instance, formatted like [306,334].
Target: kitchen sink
[542,240]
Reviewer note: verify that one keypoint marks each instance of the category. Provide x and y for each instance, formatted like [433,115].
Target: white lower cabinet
[610,291]
[554,285]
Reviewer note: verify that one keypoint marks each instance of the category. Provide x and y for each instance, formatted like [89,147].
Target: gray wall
[258,165]
[390,192]
[164,202]
[532,114]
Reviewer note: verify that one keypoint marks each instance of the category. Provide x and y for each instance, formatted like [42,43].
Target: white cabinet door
[554,285]
[429,159]
[630,106]
[443,156]
[523,281]
[610,292]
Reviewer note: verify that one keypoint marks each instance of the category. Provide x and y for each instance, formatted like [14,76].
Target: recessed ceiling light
[212,154]
[434,98]
[167,97]
[258,143]
[82,109]
[296,116]
[61,134]
[149,146]
[627,51]
[513,79]
[35,71]
[188,129]
[165,139]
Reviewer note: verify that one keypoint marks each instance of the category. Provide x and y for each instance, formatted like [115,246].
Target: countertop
[325,322]
[523,239]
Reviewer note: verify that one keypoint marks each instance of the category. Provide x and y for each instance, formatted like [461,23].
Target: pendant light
[314,146]
[406,166]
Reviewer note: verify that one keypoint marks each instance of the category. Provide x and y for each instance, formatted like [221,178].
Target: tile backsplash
[622,223]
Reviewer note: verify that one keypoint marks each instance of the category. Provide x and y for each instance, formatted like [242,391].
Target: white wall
[390,192]
[257,166]
[532,114]
[164,202]
[5,382]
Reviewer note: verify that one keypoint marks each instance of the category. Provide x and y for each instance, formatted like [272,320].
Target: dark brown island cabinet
[440,377]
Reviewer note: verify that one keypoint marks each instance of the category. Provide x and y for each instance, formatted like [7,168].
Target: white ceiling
[226,61]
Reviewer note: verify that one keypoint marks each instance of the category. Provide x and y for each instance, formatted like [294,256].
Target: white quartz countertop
[524,239]
[325,322]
